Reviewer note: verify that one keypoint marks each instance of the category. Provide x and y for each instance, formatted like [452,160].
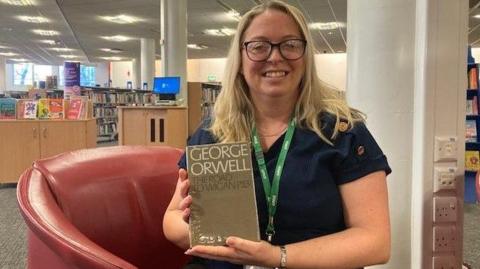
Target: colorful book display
[472,160]
[223,193]
[473,78]
[55,108]
[43,108]
[27,109]
[471,131]
[77,108]
[8,108]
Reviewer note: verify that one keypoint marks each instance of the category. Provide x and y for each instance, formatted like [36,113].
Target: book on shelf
[473,78]
[472,160]
[8,108]
[55,108]
[43,108]
[223,193]
[471,131]
[475,105]
[469,107]
[77,108]
[27,109]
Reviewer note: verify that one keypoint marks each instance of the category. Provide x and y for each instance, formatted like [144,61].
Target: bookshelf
[472,142]
[105,103]
[201,98]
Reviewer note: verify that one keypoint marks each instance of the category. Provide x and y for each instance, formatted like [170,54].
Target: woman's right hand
[186,199]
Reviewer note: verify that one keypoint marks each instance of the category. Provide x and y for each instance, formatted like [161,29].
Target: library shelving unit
[201,97]
[472,144]
[106,101]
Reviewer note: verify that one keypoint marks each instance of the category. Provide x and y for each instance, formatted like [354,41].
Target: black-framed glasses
[260,51]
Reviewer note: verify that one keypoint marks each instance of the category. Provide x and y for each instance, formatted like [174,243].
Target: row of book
[44,108]
[472,106]
[473,78]
[210,93]
[120,97]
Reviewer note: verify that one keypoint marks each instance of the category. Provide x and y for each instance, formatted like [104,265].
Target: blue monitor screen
[166,85]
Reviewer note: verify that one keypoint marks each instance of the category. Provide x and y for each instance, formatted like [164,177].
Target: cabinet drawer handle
[44,131]
[35,132]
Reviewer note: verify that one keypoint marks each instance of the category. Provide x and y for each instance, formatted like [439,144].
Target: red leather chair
[100,208]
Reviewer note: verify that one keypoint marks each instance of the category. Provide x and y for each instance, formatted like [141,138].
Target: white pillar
[136,71]
[3,74]
[173,29]
[406,65]
[147,61]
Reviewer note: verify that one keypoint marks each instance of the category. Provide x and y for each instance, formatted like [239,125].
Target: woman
[332,209]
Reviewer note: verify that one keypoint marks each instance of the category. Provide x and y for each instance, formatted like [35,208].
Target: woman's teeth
[275,74]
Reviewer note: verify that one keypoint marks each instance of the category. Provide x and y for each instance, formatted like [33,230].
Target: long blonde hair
[233,113]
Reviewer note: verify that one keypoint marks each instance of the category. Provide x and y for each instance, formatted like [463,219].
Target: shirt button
[342,126]
[360,150]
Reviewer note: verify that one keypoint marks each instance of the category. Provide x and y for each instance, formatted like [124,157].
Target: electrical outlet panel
[444,238]
[444,178]
[444,262]
[445,209]
[446,149]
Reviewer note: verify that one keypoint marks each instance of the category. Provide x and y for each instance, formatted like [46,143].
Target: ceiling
[80,27]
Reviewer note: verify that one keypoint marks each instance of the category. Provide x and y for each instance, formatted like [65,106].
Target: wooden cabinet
[23,141]
[152,125]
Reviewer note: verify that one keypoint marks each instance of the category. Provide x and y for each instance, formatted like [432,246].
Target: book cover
[43,108]
[29,109]
[475,105]
[223,193]
[473,78]
[469,107]
[471,131]
[8,108]
[77,108]
[472,160]
[55,108]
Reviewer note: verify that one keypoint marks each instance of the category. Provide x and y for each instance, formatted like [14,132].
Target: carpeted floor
[13,246]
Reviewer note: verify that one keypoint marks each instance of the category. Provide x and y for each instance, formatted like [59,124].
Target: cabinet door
[132,130]
[19,147]
[61,136]
[167,127]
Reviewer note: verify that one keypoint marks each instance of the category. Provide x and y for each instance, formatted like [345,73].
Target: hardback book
[223,193]
[55,108]
[8,108]
[43,108]
[472,160]
[475,105]
[469,107]
[471,131]
[27,109]
[473,78]
[77,108]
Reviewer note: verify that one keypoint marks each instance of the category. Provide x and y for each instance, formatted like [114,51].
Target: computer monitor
[166,87]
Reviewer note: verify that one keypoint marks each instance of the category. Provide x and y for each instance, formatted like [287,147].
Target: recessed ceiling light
[18,2]
[112,58]
[4,47]
[340,51]
[113,50]
[196,46]
[477,16]
[117,38]
[45,32]
[8,54]
[48,41]
[68,56]
[220,32]
[325,25]
[232,13]
[31,19]
[61,49]
[19,60]
[121,19]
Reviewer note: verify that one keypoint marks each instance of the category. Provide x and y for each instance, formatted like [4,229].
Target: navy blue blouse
[309,200]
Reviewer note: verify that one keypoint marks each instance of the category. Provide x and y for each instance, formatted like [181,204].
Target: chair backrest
[103,208]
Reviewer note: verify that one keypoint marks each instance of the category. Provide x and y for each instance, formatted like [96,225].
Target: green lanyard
[271,191]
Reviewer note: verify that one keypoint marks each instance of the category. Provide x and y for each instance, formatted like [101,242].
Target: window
[40,72]
[61,76]
[87,75]
[22,74]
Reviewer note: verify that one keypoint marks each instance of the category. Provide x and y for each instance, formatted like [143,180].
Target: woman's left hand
[240,251]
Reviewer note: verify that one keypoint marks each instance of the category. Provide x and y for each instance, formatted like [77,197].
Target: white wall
[119,73]
[102,74]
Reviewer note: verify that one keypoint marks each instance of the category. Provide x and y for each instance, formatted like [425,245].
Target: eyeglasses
[260,51]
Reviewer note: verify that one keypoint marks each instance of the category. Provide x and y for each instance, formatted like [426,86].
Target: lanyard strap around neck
[271,190]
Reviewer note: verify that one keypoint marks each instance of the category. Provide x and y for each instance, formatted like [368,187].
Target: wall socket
[445,149]
[445,209]
[444,179]
[444,238]
[444,262]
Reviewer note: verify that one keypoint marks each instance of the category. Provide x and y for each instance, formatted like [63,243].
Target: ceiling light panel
[45,32]
[8,54]
[220,32]
[117,38]
[234,14]
[120,19]
[68,56]
[112,58]
[196,46]
[325,25]
[111,50]
[33,19]
[61,49]
[18,2]
[19,60]
[48,41]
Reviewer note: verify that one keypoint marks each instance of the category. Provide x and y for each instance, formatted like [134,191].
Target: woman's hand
[186,200]
[240,251]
